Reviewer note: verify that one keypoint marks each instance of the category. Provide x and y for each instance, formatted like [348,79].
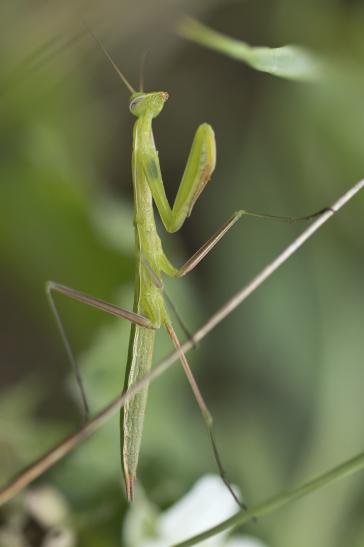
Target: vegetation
[282,375]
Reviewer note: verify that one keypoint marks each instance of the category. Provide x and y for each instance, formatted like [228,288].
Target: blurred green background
[283,375]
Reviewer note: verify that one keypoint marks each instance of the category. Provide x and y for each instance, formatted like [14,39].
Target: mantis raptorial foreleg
[199,167]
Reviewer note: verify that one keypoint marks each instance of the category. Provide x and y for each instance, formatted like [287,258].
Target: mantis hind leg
[206,414]
[53,287]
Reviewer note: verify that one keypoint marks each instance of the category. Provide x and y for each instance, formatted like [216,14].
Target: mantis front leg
[199,168]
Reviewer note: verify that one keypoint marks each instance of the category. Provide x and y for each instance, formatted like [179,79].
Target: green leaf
[291,62]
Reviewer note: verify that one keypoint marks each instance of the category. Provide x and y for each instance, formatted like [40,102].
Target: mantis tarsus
[150,311]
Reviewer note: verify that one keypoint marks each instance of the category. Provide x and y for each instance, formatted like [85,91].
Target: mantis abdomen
[140,356]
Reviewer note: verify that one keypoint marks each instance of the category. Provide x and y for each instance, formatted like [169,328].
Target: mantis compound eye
[133,106]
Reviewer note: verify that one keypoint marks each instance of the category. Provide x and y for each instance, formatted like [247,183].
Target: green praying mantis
[150,311]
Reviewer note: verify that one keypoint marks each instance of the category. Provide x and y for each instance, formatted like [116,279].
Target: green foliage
[282,375]
[291,62]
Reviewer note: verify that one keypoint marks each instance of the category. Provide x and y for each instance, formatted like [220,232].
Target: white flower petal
[207,504]
[244,541]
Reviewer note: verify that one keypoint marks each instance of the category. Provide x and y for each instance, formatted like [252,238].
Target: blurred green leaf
[291,62]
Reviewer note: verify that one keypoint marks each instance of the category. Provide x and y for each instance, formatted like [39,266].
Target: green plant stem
[271,504]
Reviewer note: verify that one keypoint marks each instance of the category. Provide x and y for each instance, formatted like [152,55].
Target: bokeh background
[283,375]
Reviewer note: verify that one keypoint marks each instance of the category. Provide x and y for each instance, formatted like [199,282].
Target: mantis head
[147,103]
[140,103]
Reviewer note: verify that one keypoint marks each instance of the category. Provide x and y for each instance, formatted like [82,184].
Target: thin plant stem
[37,468]
[271,504]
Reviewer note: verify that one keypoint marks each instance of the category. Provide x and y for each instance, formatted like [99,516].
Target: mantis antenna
[111,61]
[141,70]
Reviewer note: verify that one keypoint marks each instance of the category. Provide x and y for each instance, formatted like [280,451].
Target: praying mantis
[150,311]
